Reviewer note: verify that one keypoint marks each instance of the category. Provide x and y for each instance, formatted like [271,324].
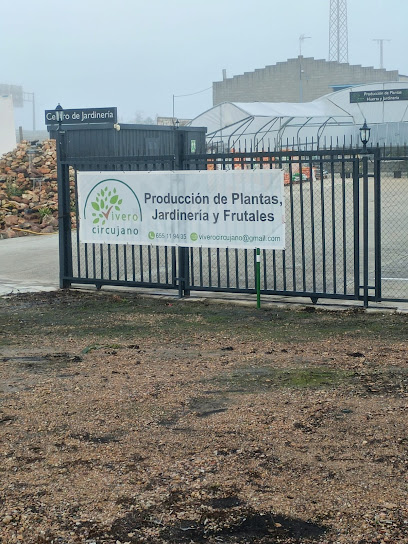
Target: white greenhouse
[332,120]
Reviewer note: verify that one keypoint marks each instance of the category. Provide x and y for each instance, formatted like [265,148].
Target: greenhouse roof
[336,114]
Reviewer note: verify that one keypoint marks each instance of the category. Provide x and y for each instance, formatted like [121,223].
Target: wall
[281,82]
[31,135]
[7,130]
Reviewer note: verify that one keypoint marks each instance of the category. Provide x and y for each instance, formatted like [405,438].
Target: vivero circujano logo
[111,212]
[105,201]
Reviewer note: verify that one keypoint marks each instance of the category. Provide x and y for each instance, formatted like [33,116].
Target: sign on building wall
[243,209]
[382,95]
[82,116]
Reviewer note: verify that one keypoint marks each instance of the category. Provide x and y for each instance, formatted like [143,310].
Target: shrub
[44,212]
[12,189]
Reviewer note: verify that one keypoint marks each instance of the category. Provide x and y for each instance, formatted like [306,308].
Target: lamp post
[176,144]
[302,38]
[59,115]
[64,206]
[365,135]
[31,152]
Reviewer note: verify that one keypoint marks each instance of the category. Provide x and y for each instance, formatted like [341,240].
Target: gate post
[365,231]
[186,271]
[377,222]
[64,212]
[183,252]
[183,271]
[356,219]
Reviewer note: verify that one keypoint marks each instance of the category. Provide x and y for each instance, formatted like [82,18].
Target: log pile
[28,190]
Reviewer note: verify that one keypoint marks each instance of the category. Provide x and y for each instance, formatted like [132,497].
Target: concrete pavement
[30,264]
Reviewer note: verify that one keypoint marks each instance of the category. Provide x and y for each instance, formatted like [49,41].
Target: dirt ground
[128,419]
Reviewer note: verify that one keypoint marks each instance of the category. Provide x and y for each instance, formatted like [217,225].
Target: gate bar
[356,218]
[377,222]
[365,231]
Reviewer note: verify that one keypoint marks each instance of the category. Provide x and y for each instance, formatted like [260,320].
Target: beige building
[297,80]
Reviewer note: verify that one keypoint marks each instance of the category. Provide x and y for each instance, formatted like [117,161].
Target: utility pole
[338,33]
[302,38]
[381,41]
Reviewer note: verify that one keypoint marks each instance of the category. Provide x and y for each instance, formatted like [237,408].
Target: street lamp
[59,117]
[31,152]
[365,135]
[59,113]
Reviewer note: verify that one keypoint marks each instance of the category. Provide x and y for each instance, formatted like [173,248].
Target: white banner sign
[236,209]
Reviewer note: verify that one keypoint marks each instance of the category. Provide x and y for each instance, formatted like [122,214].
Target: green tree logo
[103,204]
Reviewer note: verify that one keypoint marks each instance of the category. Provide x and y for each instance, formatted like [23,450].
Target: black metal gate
[333,228]
[333,235]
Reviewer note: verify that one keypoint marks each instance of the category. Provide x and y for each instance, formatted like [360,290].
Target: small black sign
[383,95]
[82,116]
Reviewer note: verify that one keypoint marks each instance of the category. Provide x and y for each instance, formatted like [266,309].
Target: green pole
[258,277]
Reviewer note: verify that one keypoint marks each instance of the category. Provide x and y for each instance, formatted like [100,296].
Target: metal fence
[393,211]
[346,230]
[327,224]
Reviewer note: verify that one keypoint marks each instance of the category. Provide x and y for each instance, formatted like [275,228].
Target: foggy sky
[137,54]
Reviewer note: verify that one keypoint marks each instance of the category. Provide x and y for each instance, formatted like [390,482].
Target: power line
[190,94]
